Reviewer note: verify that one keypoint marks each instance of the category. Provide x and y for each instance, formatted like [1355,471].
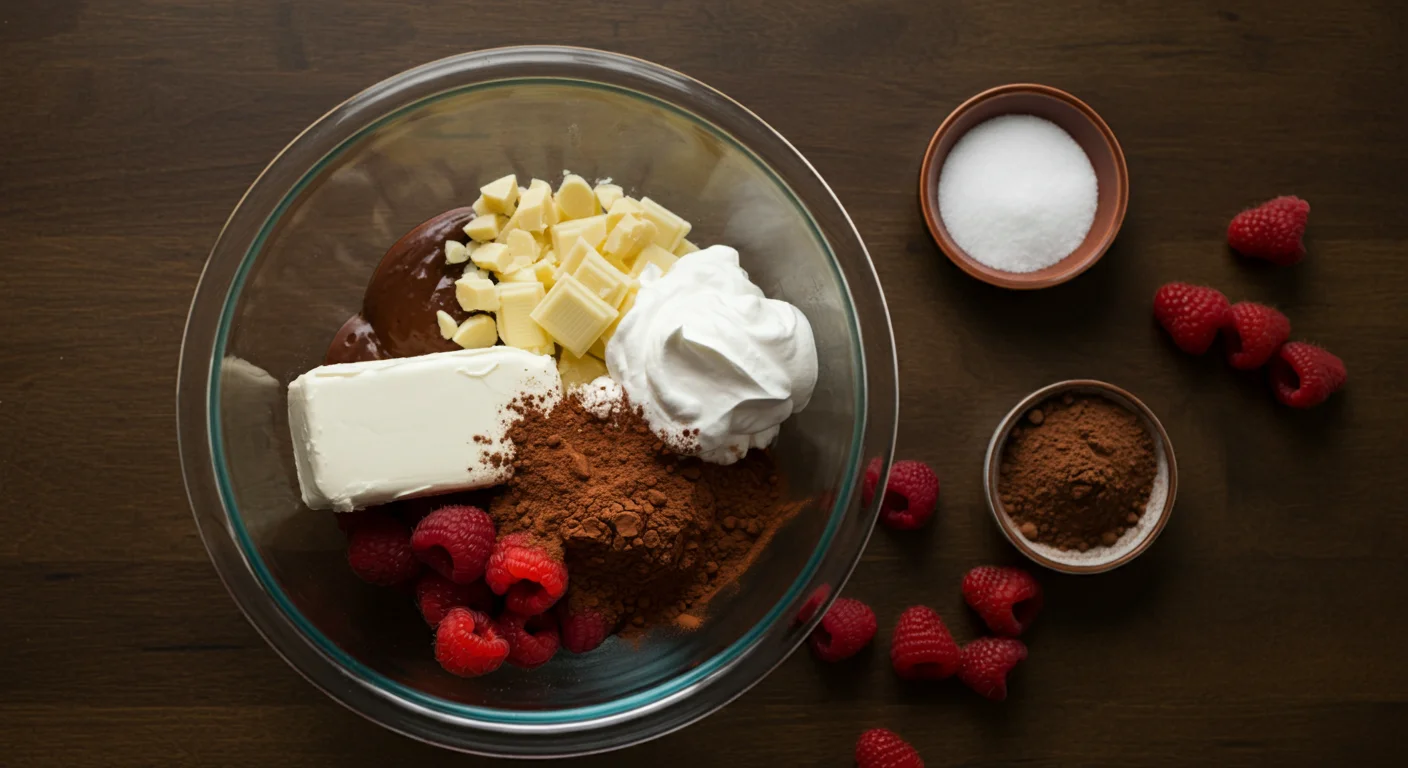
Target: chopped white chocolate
[579,371]
[472,271]
[494,257]
[608,194]
[605,281]
[576,198]
[476,294]
[592,228]
[517,301]
[626,206]
[670,228]
[455,252]
[534,208]
[546,272]
[576,254]
[653,254]
[685,247]
[501,195]
[628,238]
[482,229]
[477,332]
[573,315]
[480,207]
[447,324]
[522,248]
[519,276]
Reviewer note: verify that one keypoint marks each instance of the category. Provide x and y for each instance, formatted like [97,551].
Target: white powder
[1017,193]
[601,398]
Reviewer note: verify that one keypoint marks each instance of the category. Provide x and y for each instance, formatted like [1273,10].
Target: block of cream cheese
[373,432]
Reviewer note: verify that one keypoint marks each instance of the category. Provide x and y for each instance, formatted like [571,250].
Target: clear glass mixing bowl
[290,267]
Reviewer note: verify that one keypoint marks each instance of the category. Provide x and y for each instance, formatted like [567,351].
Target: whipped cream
[703,349]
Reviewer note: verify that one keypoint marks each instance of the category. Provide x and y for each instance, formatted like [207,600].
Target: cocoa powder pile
[649,536]
[1077,473]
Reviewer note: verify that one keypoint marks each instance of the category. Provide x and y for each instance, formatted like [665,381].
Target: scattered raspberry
[1007,599]
[436,595]
[466,644]
[531,579]
[844,630]
[814,601]
[909,497]
[379,551]
[1253,333]
[1304,375]
[583,629]
[456,542]
[879,748]
[1272,231]
[1192,315]
[532,640]
[985,663]
[922,648]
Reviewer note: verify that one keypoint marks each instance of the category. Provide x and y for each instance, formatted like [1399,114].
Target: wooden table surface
[1264,628]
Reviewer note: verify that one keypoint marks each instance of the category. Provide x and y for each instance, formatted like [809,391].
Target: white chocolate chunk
[626,206]
[522,248]
[455,252]
[534,208]
[482,229]
[573,315]
[447,324]
[605,281]
[592,228]
[516,325]
[480,207]
[670,228]
[685,247]
[519,276]
[628,238]
[476,294]
[653,254]
[546,272]
[494,257]
[579,371]
[500,195]
[477,332]
[608,194]
[576,254]
[576,198]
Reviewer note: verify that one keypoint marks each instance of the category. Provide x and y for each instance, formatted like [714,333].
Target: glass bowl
[291,265]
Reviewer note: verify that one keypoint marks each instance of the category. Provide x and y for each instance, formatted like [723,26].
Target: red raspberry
[531,578]
[986,662]
[436,595]
[532,640]
[922,648]
[910,496]
[844,630]
[379,551]
[456,542]
[1271,231]
[879,748]
[583,629]
[1007,599]
[1304,375]
[1192,315]
[467,645]
[814,601]
[1253,333]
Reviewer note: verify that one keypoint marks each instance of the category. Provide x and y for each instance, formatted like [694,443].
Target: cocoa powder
[1077,473]
[649,536]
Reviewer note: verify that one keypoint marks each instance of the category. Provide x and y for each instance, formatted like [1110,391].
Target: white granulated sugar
[1017,193]
[601,398]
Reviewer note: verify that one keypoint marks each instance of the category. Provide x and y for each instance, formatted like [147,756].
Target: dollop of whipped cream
[703,349]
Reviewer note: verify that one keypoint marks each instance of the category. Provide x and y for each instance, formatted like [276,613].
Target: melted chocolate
[410,285]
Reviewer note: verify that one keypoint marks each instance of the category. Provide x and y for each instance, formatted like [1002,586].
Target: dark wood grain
[1265,627]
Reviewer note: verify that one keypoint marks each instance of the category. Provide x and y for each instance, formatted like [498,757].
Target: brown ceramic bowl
[1088,130]
[1136,539]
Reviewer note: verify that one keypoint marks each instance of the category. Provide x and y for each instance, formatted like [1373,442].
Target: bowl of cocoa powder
[1080,476]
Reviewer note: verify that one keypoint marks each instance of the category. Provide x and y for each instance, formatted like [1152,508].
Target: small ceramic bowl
[1088,130]
[1136,539]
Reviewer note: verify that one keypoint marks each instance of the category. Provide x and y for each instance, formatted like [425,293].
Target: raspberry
[910,495]
[922,648]
[1192,315]
[532,640]
[1007,599]
[1303,375]
[844,630]
[879,748]
[436,595]
[1252,334]
[986,662]
[531,579]
[379,551]
[467,645]
[456,542]
[814,601]
[1272,231]
[583,629]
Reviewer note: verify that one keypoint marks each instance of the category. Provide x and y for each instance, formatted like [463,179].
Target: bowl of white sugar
[1024,186]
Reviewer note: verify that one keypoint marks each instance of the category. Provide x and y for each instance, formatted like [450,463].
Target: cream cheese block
[373,432]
